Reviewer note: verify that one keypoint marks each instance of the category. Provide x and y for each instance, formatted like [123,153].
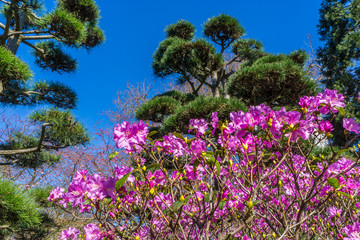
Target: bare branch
[33,46]
[25,93]
[42,37]
[29,150]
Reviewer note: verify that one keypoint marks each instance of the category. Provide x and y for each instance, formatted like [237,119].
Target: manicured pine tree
[339,30]
[72,24]
[250,76]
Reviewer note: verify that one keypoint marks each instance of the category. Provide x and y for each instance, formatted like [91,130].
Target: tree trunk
[14,41]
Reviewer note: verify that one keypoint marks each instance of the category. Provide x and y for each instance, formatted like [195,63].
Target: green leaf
[334,183]
[218,167]
[177,205]
[151,133]
[345,194]
[341,110]
[221,205]
[178,135]
[112,155]
[342,151]
[154,165]
[209,158]
[119,183]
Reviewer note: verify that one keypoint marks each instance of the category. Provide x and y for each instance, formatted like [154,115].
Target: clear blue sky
[135,28]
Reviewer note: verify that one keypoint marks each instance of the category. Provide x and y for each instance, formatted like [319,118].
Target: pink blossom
[200,125]
[331,100]
[350,125]
[70,234]
[131,136]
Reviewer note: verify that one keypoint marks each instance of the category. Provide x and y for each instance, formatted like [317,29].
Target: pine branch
[6,2]
[29,150]
[42,37]
[26,32]
[33,46]
[25,93]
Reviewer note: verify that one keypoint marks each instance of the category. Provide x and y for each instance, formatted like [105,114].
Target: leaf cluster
[17,209]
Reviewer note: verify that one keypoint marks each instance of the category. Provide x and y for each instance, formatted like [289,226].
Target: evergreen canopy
[339,30]
[234,69]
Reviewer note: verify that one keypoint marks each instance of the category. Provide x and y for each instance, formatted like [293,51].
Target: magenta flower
[198,146]
[200,125]
[92,232]
[69,234]
[122,171]
[334,212]
[76,192]
[325,126]
[172,145]
[352,231]
[131,136]
[56,194]
[95,187]
[350,125]
[214,122]
[331,100]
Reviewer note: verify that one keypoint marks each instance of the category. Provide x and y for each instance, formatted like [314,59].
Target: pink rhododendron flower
[69,234]
[350,125]
[331,100]
[92,232]
[200,125]
[352,231]
[325,126]
[131,136]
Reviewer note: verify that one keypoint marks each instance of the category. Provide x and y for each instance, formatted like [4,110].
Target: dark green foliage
[160,68]
[157,108]
[66,27]
[85,10]
[40,195]
[65,130]
[54,58]
[196,59]
[47,227]
[12,68]
[181,29]
[248,49]
[339,30]
[31,160]
[247,73]
[55,93]
[94,37]
[180,96]
[201,107]
[270,80]
[18,210]
[223,29]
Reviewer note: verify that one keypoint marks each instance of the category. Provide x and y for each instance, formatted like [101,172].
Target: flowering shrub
[256,176]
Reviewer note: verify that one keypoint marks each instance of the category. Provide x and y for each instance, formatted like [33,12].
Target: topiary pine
[230,66]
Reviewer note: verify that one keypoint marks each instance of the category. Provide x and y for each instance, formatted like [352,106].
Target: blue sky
[135,28]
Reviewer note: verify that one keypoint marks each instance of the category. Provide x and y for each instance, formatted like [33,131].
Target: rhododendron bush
[254,176]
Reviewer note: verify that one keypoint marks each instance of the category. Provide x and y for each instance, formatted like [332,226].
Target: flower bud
[144,168]
[152,191]
[182,198]
[269,123]
[250,204]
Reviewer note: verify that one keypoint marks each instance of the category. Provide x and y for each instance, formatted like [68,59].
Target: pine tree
[237,71]
[339,30]
[72,24]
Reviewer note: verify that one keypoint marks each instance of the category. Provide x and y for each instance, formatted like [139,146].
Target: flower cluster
[258,175]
